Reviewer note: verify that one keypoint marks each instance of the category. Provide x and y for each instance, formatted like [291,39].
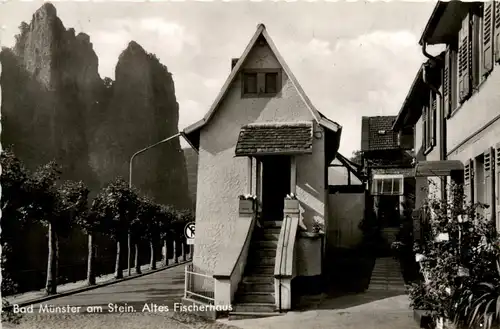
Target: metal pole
[130,183]
[186,278]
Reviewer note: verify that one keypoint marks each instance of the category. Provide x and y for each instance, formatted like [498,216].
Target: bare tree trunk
[51,283]
[152,262]
[90,261]
[184,250]
[118,264]
[165,261]
[176,256]
[129,253]
[136,260]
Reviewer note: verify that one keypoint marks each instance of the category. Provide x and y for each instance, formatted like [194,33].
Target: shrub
[458,257]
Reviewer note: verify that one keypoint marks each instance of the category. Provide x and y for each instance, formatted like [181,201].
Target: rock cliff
[142,111]
[56,106]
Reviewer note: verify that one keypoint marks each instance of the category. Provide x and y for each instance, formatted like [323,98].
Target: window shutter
[488,29]
[489,183]
[496,183]
[464,59]
[432,120]
[447,83]
[468,173]
[496,30]
[474,50]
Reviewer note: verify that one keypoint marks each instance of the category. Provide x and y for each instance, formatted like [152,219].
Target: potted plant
[291,202]
[459,258]
[247,203]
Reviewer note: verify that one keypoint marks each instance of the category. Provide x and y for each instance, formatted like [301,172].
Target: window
[472,59]
[387,185]
[261,83]
[429,119]
[271,83]
[250,83]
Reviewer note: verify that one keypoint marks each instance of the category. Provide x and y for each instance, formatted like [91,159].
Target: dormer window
[261,82]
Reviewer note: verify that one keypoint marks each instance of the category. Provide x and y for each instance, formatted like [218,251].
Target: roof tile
[380,133]
[275,138]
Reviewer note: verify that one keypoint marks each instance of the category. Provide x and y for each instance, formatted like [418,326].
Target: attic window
[261,82]
[250,83]
[271,82]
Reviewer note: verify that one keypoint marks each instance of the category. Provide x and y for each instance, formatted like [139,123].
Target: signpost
[189,233]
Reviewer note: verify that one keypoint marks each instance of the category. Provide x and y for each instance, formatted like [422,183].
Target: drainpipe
[442,122]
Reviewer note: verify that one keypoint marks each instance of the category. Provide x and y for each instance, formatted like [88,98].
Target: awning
[405,172]
[437,168]
[275,138]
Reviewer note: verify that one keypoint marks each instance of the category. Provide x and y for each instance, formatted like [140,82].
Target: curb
[99,285]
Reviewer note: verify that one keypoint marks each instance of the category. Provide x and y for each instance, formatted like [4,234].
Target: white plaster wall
[475,113]
[479,143]
[222,177]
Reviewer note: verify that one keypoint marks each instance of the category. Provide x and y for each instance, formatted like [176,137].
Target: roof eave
[330,125]
[399,122]
[436,15]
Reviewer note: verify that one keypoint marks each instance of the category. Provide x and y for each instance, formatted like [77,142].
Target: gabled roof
[261,31]
[377,133]
[275,138]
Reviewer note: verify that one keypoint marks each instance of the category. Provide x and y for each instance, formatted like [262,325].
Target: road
[98,307]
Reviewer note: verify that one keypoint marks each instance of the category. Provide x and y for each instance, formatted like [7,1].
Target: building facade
[454,103]
[262,179]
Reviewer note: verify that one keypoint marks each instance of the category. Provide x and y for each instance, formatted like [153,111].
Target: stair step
[263,244]
[254,307]
[256,270]
[255,297]
[256,287]
[263,252]
[269,236]
[255,260]
[251,315]
[258,278]
[272,223]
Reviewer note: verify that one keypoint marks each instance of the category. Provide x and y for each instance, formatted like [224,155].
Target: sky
[353,59]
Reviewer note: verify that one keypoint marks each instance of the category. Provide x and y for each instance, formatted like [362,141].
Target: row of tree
[118,212]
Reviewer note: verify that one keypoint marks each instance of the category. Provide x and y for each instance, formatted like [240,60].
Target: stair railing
[287,218]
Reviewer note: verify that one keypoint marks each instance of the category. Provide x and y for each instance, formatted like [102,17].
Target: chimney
[233,62]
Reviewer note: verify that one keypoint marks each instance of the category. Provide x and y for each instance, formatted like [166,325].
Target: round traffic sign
[189,231]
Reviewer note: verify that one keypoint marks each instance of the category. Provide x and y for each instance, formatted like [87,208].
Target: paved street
[164,288]
[161,288]
[371,312]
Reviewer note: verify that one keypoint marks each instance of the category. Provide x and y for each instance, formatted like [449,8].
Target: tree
[357,157]
[165,218]
[150,214]
[14,195]
[13,180]
[116,207]
[90,223]
[138,229]
[43,192]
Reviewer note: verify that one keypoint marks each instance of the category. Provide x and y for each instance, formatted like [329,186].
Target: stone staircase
[386,276]
[390,234]
[255,295]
